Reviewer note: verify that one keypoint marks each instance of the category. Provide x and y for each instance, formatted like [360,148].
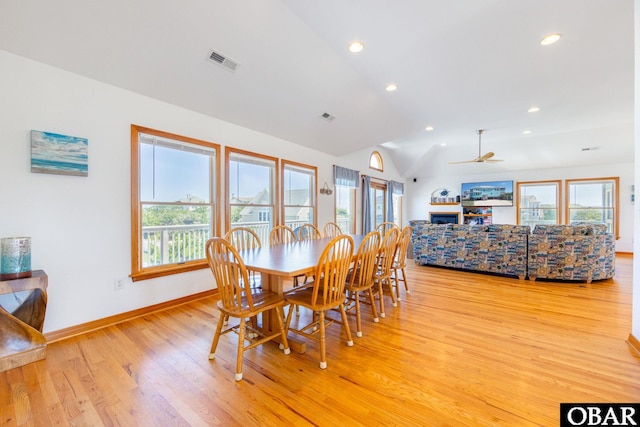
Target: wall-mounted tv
[488,193]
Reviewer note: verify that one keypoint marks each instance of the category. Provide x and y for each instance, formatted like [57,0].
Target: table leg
[273,283]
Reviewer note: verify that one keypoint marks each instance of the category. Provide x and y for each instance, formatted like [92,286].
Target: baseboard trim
[634,343]
[83,328]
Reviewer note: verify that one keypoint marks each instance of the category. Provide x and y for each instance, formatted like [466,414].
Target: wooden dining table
[279,262]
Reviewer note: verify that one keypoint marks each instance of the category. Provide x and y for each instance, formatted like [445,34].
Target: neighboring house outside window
[538,202]
[593,200]
[251,191]
[299,189]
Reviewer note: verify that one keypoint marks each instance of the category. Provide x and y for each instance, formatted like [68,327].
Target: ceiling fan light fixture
[550,39]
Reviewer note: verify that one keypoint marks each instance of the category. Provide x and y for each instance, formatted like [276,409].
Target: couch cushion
[509,228]
[566,230]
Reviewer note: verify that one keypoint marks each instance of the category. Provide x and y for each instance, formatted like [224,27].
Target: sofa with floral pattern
[497,248]
[582,252]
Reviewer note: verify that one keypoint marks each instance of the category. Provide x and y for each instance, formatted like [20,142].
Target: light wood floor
[460,349]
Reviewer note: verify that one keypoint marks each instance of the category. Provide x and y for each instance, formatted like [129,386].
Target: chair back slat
[331,229]
[384,227]
[401,247]
[331,271]
[230,275]
[307,232]
[365,262]
[243,238]
[281,234]
[387,252]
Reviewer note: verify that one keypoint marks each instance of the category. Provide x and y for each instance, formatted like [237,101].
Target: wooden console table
[21,339]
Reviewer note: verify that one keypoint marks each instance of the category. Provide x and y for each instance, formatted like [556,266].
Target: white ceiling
[460,66]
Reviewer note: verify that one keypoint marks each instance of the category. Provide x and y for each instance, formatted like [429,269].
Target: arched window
[375,161]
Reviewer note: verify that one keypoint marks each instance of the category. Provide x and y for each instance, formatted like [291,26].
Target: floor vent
[223,60]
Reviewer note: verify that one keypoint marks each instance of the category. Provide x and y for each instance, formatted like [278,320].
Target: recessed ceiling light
[429,128]
[444,144]
[391,87]
[533,109]
[356,47]
[526,132]
[550,39]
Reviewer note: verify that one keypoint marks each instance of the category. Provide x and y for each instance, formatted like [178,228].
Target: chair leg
[345,325]
[404,279]
[241,331]
[381,298]
[216,336]
[373,306]
[323,344]
[358,321]
[283,333]
[394,302]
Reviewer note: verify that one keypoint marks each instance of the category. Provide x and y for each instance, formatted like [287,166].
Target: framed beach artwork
[59,154]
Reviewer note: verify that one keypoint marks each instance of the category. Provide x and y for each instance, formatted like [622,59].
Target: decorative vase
[15,257]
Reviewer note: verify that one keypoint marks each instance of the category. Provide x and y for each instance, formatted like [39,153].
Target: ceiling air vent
[328,117]
[223,60]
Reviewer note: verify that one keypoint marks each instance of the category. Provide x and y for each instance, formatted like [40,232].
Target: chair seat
[304,296]
[262,301]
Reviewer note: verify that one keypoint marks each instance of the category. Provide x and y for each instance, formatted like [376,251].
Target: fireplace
[444,217]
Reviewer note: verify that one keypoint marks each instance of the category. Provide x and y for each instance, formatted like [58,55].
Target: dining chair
[281,234]
[307,232]
[238,300]
[400,261]
[331,229]
[243,238]
[360,277]
[383,227]
[384,270]
[325,293]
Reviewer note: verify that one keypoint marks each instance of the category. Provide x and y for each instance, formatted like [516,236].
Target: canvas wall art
[59,154]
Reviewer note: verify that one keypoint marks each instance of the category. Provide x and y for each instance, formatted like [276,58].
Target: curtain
[390,187]
[346,177]
[366,204]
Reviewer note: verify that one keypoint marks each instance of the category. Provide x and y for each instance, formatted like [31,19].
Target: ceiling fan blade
[485,157]
[465,161]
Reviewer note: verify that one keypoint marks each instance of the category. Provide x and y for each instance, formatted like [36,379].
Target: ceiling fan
[481,157]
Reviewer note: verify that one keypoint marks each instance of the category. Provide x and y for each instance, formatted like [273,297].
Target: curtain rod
[377,179]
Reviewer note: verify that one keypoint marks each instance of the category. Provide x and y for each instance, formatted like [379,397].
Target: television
[488,193]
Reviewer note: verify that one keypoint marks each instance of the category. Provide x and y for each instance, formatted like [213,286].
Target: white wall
[420,193]
[635,320]
[80,227]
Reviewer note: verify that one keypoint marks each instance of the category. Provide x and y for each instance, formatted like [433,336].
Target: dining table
[279,262]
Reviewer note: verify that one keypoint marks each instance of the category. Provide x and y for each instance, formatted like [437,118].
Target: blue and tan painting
[59,154]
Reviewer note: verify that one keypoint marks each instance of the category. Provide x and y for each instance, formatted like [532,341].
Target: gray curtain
[366,204]
[390,187]
[346,177]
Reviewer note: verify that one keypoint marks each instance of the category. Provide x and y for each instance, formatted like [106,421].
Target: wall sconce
[326,190]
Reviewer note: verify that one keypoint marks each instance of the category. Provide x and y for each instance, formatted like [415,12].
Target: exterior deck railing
[180,243]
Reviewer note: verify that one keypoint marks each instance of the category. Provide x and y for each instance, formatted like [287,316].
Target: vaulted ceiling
[459,65]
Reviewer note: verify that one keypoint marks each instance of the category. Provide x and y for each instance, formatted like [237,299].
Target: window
[593,200]
[346,181]
[345,216]
[378,200]
[251,191]
[298,194]
[538,202]
[174,212]
[375,161]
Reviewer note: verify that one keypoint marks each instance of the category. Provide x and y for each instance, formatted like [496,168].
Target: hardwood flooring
[460,349]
